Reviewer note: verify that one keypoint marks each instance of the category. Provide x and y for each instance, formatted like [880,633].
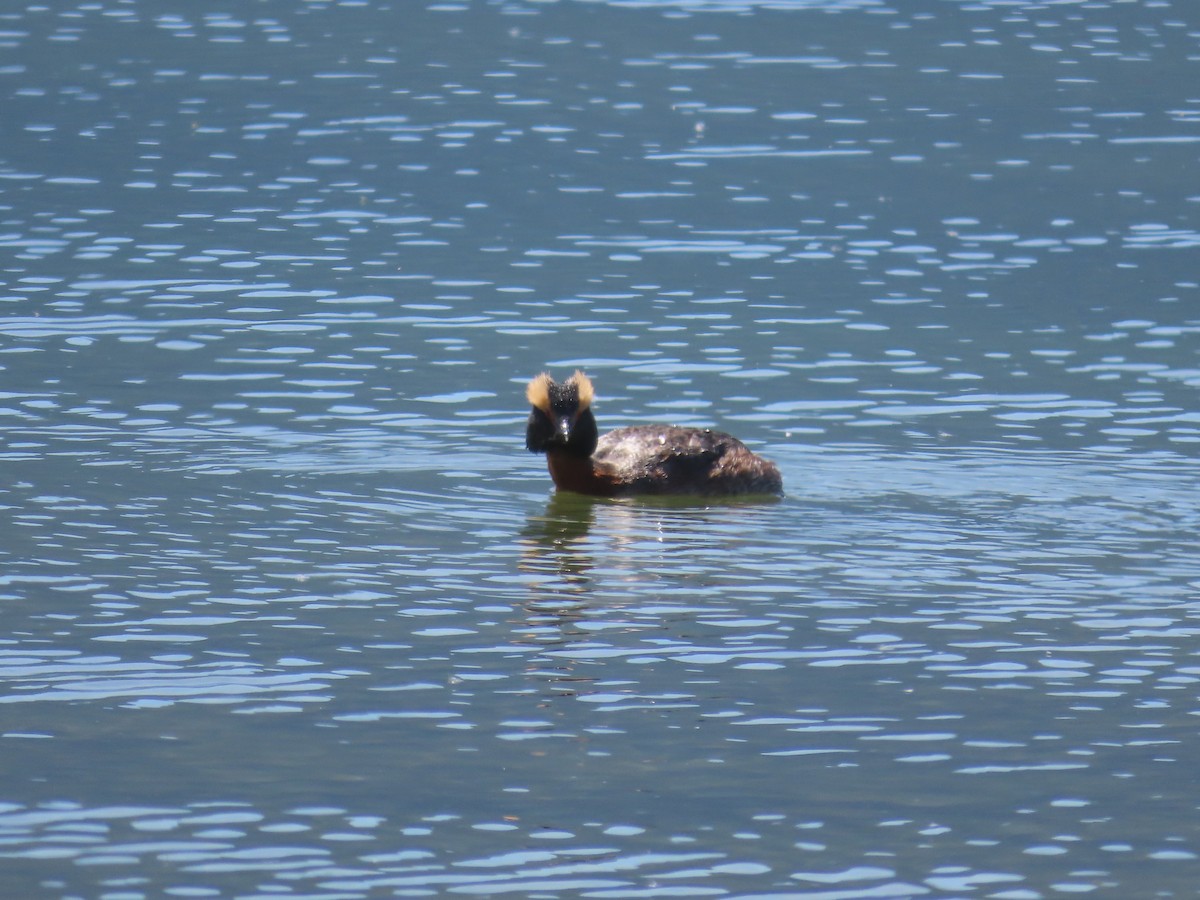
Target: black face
[564,426]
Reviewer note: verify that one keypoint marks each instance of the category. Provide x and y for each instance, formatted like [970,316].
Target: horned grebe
[640,459]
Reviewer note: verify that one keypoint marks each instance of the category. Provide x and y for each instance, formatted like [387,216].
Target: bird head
[561,418]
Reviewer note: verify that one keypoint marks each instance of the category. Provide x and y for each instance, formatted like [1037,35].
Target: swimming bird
[639,459]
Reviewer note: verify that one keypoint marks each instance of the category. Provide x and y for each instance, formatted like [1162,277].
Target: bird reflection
[561,544]
[556,541]
[557,557]
[589,566]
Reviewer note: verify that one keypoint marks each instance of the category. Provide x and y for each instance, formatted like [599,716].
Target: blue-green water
[291,613]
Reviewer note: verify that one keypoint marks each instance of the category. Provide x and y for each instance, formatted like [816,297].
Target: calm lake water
[290,612]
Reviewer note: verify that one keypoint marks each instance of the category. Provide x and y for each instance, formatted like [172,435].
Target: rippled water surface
[290,611]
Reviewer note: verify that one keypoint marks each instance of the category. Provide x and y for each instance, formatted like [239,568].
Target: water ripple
[289,609]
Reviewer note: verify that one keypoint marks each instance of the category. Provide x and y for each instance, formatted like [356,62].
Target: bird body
[639,459]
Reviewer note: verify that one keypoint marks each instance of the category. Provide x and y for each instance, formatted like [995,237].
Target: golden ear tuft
[583,386]
[538,392]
